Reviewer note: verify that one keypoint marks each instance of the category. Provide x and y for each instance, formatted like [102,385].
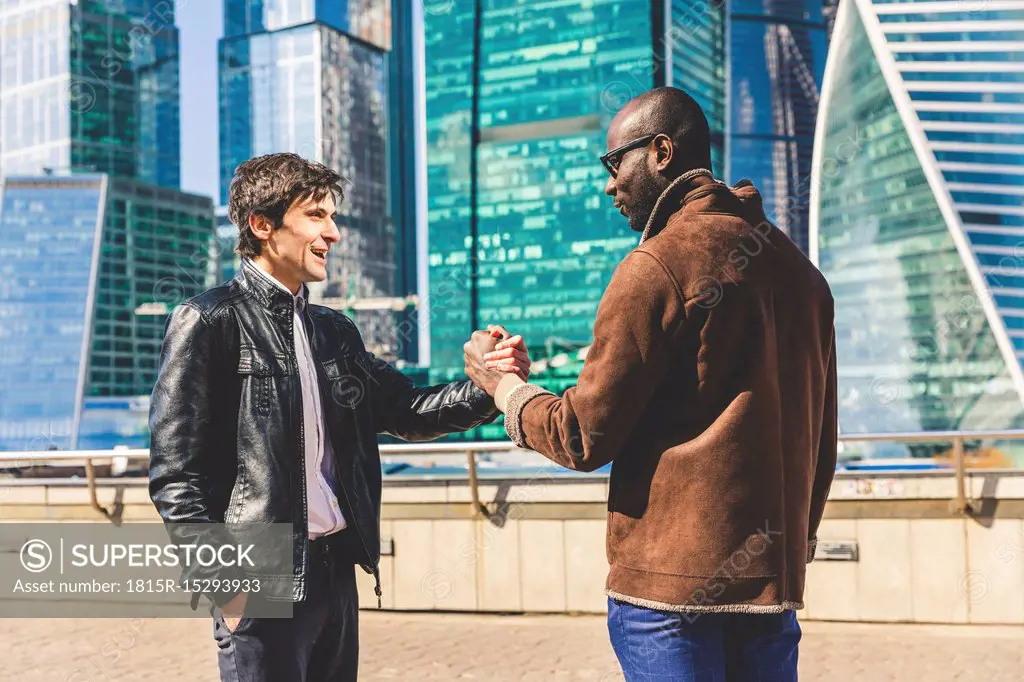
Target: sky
[200,25]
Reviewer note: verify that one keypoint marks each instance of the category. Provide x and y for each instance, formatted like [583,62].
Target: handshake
[492,354]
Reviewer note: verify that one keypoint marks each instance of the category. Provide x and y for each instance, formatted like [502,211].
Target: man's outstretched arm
[638,321]
[423,413]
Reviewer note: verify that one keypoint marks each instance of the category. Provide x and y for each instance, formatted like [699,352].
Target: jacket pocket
[258,370]
[348,381]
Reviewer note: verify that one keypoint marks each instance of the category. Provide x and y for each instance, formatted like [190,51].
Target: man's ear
[664,152]
[260,226]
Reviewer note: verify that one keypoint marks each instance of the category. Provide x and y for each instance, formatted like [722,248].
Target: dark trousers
[319,643]
[661,646]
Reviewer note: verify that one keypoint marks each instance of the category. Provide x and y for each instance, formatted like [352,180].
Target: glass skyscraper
[223,253]
[547,80]
[696,61]
[776,60]
[310,77]
[916,213]
[90,265]
[97,243]
[518,101]
[406,178]
[90,85]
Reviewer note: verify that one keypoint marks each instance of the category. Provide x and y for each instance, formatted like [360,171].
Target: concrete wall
[922,570]
[470,565]
[543,547]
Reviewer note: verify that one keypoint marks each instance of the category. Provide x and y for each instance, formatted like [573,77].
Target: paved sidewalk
[447,647]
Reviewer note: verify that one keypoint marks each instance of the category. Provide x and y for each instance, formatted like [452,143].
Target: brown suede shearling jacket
[711,387]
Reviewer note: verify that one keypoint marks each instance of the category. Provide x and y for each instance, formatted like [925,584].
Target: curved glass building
[916,213]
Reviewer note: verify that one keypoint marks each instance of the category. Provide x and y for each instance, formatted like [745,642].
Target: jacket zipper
[320,377]
[302,458]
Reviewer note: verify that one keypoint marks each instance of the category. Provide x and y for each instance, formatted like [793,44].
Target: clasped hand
[492,354]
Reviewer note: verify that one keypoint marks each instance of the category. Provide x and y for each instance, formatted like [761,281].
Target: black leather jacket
[226,416]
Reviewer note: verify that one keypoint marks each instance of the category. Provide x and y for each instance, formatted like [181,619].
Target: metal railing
[960,504]
[88,458]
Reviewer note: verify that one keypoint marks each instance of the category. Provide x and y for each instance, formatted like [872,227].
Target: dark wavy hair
[268,185]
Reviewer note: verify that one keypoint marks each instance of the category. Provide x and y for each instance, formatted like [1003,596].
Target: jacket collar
[684,191]
[272,295]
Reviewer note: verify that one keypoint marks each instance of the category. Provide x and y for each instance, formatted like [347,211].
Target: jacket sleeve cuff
[482,405]
[812,546]
[515,401]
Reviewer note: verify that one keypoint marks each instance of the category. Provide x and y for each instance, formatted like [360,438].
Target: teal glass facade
[695,62]
[551,78]
[49,243]
[90,86]
[921,258]
[90,265]
[223,254]
[155,252]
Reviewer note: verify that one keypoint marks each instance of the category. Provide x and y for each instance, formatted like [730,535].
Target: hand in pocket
[234,610]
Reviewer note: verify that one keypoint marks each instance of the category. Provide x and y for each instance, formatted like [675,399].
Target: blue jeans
[662,646]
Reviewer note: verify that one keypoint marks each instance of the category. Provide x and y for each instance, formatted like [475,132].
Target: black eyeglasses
[612,159]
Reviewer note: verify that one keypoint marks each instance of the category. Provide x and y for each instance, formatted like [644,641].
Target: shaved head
[661,134]
[673,112]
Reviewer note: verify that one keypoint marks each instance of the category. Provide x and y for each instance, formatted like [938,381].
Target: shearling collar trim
[671,191]
[707,608]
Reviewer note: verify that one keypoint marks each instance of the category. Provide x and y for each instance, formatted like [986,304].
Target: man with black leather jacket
[267,410]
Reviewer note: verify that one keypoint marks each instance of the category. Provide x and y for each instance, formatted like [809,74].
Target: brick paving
[445,647]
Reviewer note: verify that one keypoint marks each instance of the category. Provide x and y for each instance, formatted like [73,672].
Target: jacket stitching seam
[668,273]
[225,304]
[209,314]
[202,313]
[680,323]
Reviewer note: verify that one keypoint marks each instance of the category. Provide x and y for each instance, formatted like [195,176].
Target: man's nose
[609,188]
[332,234]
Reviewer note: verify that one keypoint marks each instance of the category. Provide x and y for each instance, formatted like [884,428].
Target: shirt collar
[273,280]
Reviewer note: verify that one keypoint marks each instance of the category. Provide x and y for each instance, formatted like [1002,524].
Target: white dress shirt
[323,511]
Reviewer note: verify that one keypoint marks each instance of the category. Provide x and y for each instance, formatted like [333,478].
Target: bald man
[711,388]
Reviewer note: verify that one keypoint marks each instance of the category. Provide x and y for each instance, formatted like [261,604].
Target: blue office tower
[776,58]
[90,266]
